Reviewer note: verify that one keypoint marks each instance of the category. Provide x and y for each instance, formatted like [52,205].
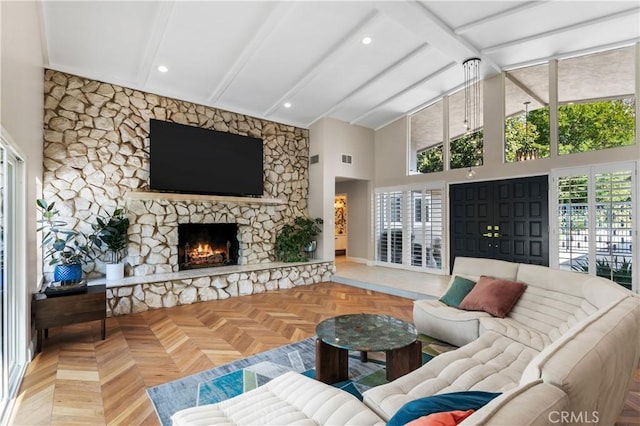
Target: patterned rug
[229,380]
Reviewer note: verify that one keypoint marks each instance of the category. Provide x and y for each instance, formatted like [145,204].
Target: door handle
[488,234]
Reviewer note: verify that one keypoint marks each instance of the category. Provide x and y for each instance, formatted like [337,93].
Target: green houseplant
[113,232]
[67,249]
[297,238]
[618,271]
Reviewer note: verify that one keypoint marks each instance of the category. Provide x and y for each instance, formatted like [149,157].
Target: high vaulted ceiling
[252,57]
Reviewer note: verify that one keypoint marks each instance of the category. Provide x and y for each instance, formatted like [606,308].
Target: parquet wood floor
[80,379]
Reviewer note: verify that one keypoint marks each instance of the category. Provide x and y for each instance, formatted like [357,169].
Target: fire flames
[203,253]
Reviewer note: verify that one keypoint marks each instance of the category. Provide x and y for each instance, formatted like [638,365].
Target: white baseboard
[356,260]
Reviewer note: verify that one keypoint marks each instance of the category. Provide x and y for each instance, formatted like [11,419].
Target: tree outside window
[596,101]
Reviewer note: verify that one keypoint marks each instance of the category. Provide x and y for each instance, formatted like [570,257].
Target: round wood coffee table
[365,333]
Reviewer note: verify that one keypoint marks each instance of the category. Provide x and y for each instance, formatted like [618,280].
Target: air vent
[347,159]
[314,159]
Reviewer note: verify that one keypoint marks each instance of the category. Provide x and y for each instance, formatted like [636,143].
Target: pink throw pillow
[493,295]
[446,418]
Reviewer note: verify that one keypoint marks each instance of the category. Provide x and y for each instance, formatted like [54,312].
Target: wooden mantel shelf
[170,196]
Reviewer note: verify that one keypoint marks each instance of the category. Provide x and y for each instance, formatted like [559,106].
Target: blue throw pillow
[471,400]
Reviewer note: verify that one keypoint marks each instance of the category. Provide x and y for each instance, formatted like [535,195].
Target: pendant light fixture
[472,100]
[526,152]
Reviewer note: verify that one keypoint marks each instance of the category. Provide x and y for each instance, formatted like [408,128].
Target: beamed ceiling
[252,57]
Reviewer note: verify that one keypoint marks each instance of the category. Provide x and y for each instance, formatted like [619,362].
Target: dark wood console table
[69,309]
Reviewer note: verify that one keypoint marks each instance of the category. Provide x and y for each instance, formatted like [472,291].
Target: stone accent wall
[96,150]
[142,297]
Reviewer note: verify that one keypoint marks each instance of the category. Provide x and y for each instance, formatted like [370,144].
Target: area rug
[229,380]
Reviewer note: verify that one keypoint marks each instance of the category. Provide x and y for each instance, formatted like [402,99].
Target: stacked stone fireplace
[205,245]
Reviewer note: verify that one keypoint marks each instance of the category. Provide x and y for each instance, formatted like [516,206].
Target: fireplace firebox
[207,245]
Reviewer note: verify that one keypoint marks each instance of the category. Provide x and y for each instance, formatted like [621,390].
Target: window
[595,221]
[409,227]
[426,138]
[596,101]
[465,145]
[526,129]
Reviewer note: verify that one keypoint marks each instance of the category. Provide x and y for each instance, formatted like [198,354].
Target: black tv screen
[200,161]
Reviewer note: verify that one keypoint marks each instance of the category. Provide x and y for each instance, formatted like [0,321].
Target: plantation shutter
[594,221]
[573,221]
[389,219]
[425,227]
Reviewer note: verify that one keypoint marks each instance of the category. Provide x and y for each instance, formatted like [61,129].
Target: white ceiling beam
[403,92]
[419,19]
[324,60]
[384,73]
[278,13]
[493,49]
[526,89]
[581,52]
[150,50]
[496,16]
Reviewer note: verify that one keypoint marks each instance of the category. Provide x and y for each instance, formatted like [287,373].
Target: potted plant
[113,232]
[298,238]
[67,249]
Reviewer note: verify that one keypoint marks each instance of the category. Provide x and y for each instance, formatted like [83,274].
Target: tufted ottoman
[291,399]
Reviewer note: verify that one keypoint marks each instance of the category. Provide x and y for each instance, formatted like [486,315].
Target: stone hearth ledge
[141,293]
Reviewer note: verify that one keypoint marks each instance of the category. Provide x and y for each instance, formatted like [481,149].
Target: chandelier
[471,94]
[472,100]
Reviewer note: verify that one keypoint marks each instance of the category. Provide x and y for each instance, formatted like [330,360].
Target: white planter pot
[115,271]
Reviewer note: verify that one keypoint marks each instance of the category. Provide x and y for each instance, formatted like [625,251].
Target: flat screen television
[200,161]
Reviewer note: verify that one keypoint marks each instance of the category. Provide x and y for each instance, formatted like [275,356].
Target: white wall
[330,138]
[21,111]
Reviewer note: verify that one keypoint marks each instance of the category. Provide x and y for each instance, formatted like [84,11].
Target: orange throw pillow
[493,295]
[447,418]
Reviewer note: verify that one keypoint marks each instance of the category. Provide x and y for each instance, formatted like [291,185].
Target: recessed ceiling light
[367,40]
[162,68]
[287,104]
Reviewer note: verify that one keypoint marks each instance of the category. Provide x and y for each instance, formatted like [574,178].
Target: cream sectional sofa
[564,354]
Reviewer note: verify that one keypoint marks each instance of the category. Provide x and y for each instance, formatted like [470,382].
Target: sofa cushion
[458,290]
[493,295]
[580,290]
[594,361]
[472,268]
[534,403]
[517,331]
[452,325]
[290,399]
[491,363]
[472,400]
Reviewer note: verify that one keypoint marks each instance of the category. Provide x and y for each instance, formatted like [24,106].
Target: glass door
[11,304]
